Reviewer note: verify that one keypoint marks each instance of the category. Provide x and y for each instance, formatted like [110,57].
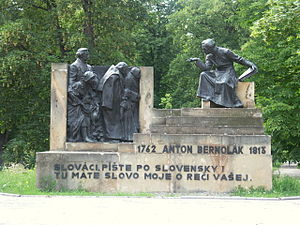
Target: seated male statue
[219,85]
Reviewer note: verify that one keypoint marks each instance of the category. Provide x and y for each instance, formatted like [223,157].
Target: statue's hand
[192,59]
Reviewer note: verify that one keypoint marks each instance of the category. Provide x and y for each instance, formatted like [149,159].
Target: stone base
[186,150]
[183,166]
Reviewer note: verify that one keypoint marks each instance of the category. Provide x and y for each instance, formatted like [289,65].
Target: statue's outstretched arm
[200,64]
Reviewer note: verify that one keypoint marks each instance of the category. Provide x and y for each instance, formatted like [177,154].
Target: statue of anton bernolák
[219,85]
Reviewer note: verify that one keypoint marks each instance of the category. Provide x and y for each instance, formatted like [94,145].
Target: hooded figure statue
[112,87]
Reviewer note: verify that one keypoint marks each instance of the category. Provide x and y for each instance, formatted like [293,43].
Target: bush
[282,186]
[19,151]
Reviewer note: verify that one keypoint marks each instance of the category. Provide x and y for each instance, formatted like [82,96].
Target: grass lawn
[17,180]
[283,186]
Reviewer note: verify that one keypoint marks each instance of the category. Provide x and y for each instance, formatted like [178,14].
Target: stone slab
[58,168]
[58,122]
[221,112]
[214,121]
[245,92]
[203,144]
[126,147]
[134,172]
[166,112]
[99,147]
[221,129]
[147,98]
[86,146]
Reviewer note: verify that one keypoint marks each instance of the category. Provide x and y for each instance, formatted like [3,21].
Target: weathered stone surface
[126,147]
[96,146]
[221,129]
[147,96]
[59,167]
[251,144]
[209,121]
[58,123]
[222,112]
[166,112]
[245,92]
[214,121]
[147,181]
[130,172]
[158,120]
[231,172]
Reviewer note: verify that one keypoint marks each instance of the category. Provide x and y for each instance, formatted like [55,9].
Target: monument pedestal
[178,151]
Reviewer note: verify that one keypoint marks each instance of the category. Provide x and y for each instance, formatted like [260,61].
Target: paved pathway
[288,170]
[28,210]
[43,210]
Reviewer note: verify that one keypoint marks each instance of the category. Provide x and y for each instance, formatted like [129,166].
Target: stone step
[212,121]
[221,112]
[230,130]
[159,120]
[217,112]
[166,112]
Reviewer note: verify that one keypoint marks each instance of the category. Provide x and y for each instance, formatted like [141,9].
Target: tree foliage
[193,22]
[35,34]
[159,33]
[275,47]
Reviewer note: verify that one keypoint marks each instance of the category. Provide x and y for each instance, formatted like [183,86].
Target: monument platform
[178,151]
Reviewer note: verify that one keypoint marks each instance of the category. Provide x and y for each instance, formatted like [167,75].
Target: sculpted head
[208,46]
[136,72]
[88,76]
[122,67]
[82,53]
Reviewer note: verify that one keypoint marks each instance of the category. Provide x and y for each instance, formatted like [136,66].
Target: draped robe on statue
[130,106]
[112,89]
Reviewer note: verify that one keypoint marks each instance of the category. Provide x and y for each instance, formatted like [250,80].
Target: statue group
[102,107]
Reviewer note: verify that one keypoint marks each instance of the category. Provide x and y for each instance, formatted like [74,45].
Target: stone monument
[174,151]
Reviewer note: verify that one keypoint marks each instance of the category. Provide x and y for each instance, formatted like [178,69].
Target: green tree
[28,44]
[154,43]
[275,47]
[193,22]
[35,34]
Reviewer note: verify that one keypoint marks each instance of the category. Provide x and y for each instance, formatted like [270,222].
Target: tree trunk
[88,27]
[3,141]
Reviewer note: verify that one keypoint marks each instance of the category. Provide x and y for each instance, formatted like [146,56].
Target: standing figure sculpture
[219,85]
[81,105]
[79,67]
[112,87]
[130,103]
